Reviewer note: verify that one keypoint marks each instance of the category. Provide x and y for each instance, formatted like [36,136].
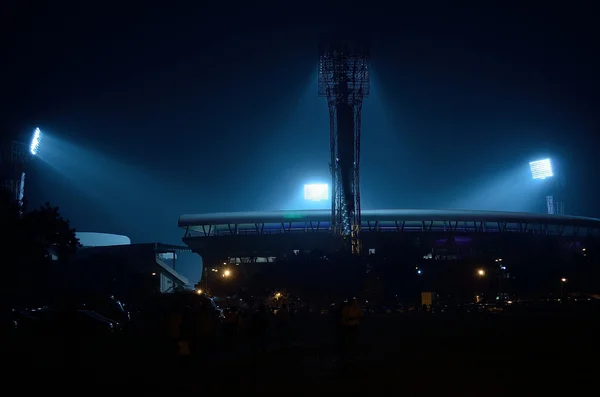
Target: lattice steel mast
[344,81]
[13,162]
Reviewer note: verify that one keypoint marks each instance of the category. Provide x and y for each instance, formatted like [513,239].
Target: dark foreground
[470,354]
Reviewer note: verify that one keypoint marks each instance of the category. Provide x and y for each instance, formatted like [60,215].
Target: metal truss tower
[13,163]
[344,81]
[555,198]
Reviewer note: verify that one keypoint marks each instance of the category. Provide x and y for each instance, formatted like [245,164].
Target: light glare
[22,190]
[541,169]
[316,192]
[35,141]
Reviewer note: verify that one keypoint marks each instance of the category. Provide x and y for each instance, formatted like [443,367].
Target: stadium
[391,253]
[411,249]
[281,233]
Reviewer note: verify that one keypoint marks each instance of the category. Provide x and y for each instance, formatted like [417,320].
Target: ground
[470,354]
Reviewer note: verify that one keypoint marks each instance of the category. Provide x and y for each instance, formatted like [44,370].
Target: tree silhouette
[36,246]
[48,236]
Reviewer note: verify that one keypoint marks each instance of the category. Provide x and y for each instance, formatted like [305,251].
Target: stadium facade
[258,235]
[404,251]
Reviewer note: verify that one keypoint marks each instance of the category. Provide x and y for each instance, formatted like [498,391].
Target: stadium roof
[392,215]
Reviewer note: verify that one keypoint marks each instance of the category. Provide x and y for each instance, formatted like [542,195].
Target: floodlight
[541,169]
[316,192]
[35,141]
[22,188]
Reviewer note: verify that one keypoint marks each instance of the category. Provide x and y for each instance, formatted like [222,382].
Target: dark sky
[151,112]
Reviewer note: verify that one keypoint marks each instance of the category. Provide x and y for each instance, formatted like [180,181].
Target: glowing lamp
[35,141]
[541,169]
[316,192]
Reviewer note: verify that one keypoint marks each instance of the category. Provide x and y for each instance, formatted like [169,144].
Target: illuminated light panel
[35,141]
[541,169]
[22,188]
[316,192]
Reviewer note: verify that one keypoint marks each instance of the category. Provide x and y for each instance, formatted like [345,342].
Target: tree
[37,246]
[48,236]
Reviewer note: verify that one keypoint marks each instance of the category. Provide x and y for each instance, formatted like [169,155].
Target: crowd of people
[201,329]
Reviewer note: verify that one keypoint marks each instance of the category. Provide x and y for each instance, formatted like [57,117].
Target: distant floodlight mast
[13,165]
[316,192]
[35,141]
[541,169]
[21,193]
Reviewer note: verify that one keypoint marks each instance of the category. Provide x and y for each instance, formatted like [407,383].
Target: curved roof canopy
[224,218]
[93,239]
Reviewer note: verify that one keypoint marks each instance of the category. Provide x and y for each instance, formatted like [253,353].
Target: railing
[392,227]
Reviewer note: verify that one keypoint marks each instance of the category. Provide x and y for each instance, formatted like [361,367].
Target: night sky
[152,112]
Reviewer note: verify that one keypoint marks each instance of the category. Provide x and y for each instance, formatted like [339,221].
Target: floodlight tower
[13,164]
[543,170]
[344,81]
